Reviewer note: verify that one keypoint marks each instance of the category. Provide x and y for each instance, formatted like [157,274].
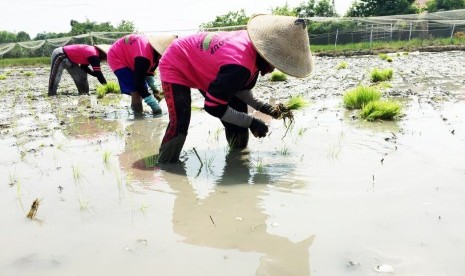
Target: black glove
[258,128]
[273,111]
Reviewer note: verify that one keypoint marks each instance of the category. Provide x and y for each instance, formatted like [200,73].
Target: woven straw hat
[161,42]
[283,42]
[103,47]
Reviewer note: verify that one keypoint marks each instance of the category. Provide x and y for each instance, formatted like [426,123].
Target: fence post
[391,31]
[371,36]
[91,39]
[335,41]
[452,33]
[410,33]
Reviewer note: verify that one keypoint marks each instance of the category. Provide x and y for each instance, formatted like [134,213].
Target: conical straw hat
[103,47]
[283,42]
[161,42]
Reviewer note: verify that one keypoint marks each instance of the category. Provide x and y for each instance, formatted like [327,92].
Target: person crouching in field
[134,58]
[224,66]
[76,59]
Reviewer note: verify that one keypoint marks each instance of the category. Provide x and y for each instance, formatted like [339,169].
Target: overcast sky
[35,16]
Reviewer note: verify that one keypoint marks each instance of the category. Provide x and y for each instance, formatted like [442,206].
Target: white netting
[5,48]
[336,31]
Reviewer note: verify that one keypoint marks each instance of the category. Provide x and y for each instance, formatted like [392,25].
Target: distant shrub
[381,110]
[360,96]
[378,75]
[277,75]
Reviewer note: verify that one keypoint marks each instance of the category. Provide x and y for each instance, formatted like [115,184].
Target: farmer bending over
[134,58]
[76,59]
[224,66]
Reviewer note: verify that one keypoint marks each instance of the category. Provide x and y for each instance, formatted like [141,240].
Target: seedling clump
[342,65]
[360,96]
[381,110]
[109,87]
[378,75]
[2,77]
[278,76]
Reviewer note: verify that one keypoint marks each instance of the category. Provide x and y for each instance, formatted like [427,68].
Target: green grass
[381,110]
[342,65]
[378,75]
[29,74]
[386,46]
[33,61]
[360,96]
[277,75]
[296,102]
[109,87]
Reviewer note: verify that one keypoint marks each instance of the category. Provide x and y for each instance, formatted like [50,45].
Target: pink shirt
[80,53]
[124,51]
[195,60]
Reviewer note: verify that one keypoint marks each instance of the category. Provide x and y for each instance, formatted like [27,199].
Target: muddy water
[333,195]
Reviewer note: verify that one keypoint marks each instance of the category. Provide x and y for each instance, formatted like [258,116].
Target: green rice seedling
[77,175]
[342,65]
[381,110]
[297,102]
[277,75]
[383,56]
[2,77]
[301,131]
[284,151]
[196,108]
[150,161]
[29,74]
[405,53]
[389,59]
[259,165]
[106,158]
[378,75]
[360,96]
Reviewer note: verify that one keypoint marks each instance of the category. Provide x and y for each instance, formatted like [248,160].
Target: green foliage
[381,110]
[324,27]
[284,10]
[444,5]
[109,87]
[360,96]
[9,62]
[378,75]
[277,75]
[233,18]
[322,8]
[296,102]
[342,65]
[366,8]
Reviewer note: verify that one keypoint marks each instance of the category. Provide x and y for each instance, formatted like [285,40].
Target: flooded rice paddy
[333,195]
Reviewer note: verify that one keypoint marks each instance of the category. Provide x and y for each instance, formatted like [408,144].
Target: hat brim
[161,42]
[282,42]
[103,47]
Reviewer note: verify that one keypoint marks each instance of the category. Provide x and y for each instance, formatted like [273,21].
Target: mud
[334,195]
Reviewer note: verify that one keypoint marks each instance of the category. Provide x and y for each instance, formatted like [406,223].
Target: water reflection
[231,217]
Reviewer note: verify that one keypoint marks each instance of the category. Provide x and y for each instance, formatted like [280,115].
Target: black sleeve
[86,69]
[141,67]
[229,80]
[94,61]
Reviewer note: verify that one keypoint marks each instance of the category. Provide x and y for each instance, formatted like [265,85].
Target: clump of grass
[383,56]
[109,87]
[2,77]
[29,74]
[378,75]
[277,75]
[342,65]
[381,110]
[360,96]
